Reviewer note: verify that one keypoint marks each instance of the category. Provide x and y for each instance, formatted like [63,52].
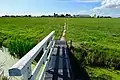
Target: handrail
[23,66]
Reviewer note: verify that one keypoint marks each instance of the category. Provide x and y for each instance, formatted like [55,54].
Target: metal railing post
[28,72]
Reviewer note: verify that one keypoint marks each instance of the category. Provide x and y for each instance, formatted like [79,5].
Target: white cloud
[108,4]
[107,7]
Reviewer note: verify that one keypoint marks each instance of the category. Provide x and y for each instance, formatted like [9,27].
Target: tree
[29,16]
[68,15]
[94,16]
[62,15]
[55,15]
[98,16]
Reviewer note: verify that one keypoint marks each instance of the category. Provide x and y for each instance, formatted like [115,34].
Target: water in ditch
[7,61]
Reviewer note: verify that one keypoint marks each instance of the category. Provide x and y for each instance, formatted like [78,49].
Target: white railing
[23,66]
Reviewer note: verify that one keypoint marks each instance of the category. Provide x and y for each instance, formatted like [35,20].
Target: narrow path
[59,67]
[64,33]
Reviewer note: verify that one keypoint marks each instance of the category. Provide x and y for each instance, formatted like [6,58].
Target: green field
[21,34]
[96,42]
[98,39]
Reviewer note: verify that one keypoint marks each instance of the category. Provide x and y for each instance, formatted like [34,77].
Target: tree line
[104,17]
[17,16]
[67,15]
[59,15]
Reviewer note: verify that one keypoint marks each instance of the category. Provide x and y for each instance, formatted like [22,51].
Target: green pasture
[96,42]
[22,34]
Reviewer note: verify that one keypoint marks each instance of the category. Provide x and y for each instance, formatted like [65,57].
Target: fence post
[27,74]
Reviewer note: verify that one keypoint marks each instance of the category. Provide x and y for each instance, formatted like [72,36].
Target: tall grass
[19,46]
[96,41]
[22,34]
[97,55]
[2,38]
[2,77]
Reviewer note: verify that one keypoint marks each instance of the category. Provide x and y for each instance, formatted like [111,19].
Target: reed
[22,34]
[96,41]
[19,47]
[97,55]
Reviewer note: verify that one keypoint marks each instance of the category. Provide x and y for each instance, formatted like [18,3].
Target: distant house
[82,16]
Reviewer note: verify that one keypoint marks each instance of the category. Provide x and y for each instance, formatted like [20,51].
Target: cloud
[108,4]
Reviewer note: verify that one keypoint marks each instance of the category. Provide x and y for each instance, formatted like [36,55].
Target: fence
[23,66]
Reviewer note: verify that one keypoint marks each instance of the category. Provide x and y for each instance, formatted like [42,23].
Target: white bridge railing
[23,66]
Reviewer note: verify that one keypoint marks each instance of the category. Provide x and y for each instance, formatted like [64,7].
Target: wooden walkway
[59,65]
[55,60]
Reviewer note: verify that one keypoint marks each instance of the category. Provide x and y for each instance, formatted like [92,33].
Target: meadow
[22,34]
[96,42]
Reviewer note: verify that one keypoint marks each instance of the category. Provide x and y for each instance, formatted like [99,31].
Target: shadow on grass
[79,72]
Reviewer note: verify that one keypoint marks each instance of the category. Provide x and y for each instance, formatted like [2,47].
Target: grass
[96,43]
[99,38]
[97,73]
[3,78]
[102,31]
[21,34]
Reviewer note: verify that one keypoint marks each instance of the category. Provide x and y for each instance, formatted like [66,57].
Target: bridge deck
[59,66]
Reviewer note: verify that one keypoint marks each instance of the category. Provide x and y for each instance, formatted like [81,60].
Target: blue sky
[38,7]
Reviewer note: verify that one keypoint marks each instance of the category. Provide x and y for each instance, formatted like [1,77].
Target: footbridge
[54,63]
